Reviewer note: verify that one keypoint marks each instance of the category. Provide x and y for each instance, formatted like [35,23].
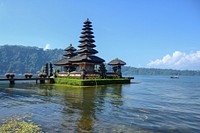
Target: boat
[174,77]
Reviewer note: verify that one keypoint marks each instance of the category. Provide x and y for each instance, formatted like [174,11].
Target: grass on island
[91,82]
[16,124]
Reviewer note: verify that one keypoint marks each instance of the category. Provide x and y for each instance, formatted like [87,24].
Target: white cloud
[178,60]
[47,46]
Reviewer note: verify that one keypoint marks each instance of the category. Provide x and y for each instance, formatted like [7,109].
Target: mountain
[129,71]
[23,59]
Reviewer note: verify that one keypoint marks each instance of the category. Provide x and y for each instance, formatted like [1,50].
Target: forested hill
[23,59]
[129,71]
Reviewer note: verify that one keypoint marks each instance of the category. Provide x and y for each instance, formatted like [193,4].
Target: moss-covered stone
[91,82]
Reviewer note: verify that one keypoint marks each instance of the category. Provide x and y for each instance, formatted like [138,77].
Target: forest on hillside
[22,59]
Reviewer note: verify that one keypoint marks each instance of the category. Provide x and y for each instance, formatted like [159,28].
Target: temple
[84,61]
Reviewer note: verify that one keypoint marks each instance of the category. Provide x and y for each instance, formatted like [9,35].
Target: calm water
[157,104]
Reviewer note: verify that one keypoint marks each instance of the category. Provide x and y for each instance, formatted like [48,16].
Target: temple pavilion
[117,64]
[76,62]
[83,59]
[66,63]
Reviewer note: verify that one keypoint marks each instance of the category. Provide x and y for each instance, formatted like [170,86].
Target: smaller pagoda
[117,64]
[66,63]
[69,52]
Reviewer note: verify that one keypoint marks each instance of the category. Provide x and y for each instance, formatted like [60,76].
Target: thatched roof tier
[87,32]
[88,40]
[85,58]
[63,62]
[87,45]
[87,25]
[70,48]
[117,62]
[67,53]
[87,28]
[87,21]
[86,51]
[86,36]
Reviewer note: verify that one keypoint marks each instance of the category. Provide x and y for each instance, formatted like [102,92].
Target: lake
[156,104]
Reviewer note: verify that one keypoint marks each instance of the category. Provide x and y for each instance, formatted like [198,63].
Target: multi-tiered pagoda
[86,58]
[83,58]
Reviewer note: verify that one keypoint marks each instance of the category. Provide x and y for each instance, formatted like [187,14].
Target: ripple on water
[157,104]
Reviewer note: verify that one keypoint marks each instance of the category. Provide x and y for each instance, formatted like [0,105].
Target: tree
[102,70]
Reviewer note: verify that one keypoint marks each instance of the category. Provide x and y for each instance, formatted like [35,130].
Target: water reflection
[156,105]
[83,104]
[67,109]
[75,109]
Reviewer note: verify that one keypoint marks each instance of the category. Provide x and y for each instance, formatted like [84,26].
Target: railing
[77,74]
[109,74]
[88,75]
[67,74]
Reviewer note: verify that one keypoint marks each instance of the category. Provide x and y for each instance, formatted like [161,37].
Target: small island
[83,68]
[79,67]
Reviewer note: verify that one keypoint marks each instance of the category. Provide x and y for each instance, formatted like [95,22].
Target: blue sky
[143,33]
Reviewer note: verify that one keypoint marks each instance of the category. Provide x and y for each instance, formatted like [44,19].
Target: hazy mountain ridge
[155,71]
[23,59]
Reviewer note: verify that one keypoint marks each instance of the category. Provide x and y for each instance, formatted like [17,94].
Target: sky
[143,33]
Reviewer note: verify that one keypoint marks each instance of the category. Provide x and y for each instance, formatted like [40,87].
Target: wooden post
[42,81]
[51,81]
[12,81]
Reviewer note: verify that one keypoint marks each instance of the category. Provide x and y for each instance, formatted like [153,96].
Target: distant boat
[174,77]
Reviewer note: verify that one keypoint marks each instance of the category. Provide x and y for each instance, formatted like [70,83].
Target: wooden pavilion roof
[87,21]
[67,53]
[117,62]
[86,58]
[89,51]
[70,48]
[62,62]
[91,45]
